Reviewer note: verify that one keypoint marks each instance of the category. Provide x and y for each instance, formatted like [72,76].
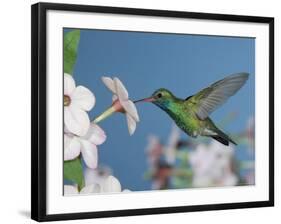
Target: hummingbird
[192,114]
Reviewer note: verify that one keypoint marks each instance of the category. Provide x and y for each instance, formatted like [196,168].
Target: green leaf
[70,47]
[73,171]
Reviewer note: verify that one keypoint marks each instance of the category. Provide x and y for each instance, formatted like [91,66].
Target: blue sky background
[144,62]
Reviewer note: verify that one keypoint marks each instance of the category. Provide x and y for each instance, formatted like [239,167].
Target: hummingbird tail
[223,138]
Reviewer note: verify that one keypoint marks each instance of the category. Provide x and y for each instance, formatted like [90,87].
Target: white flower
[109,184]
[86,144]
[77,100]
[121,103]
[170,149]
[212,165]
[73,190]
[71,147]
[96,176]
[105,180]
[154,150]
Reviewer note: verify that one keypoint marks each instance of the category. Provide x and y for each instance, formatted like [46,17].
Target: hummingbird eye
[159,95]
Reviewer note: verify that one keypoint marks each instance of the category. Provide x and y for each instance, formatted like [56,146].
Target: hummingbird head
[161,97]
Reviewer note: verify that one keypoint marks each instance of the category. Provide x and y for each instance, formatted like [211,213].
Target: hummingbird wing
[210,98]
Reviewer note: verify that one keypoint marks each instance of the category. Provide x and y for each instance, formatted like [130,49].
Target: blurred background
[158,155]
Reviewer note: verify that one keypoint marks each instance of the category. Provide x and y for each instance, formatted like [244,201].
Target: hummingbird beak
[148,99]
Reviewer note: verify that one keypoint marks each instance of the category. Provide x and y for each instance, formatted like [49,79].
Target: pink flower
[121,103]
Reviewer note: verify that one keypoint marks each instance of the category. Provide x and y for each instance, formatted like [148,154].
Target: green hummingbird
[192,114]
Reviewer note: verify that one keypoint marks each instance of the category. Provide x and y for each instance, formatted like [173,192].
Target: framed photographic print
[138,111]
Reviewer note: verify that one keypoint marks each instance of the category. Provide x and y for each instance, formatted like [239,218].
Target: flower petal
[130,108]
[71,147]
[108,82]
[95,135]
[66,131]
[89,153]
[131,124]
[114,97]
[229,180]
[93,188]
[83,98]
[76,120]
[122,92]
[91,176]
[96,176]
[111,184]
[69,84]
[70,190]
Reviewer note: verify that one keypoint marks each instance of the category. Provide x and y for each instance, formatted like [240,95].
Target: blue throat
[165,105]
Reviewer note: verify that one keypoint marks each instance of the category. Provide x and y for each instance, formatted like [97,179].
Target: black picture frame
[39,115]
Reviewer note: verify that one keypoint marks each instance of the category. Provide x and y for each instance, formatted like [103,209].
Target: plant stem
[104,115]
